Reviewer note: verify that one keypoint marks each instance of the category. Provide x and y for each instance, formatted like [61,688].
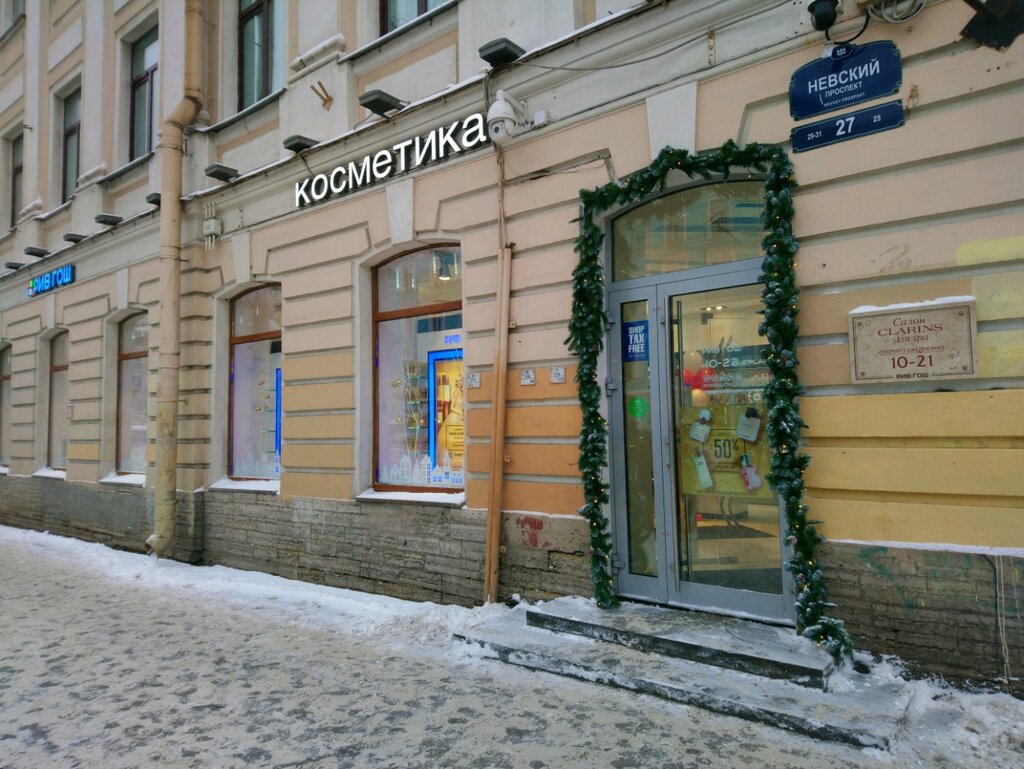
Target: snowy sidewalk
[115,660]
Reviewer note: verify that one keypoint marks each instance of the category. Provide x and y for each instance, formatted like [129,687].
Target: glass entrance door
[696,522]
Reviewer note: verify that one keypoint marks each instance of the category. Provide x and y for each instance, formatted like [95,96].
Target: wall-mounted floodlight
[221,172]
[153,198]
[500,51]
[13,265]
[36,251]
[74,237]
[108,220]
[380,102]
[298,143]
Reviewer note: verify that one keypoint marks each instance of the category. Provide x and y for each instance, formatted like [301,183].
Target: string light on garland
[783,427]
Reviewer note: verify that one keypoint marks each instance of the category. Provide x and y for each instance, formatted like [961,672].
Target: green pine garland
[779,295]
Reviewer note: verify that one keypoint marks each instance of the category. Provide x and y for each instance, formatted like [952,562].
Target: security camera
[506,118]
[823,13]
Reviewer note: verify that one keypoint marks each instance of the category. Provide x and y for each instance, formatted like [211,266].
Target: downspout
[171,153]
[492,541]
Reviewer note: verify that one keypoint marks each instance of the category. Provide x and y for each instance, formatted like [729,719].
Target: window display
[256,384]
[57,443]
[5,406]
[420,431]
[132,375]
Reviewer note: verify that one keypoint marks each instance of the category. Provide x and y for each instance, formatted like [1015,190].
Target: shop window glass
[255,431]
[420,419]
[144,93]
[132,378]
[696,227]
[259,49]
[17,175]
[71,143]
[395,13]
[57,443]
[5,406]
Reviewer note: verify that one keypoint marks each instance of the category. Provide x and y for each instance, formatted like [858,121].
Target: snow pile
[949,727]
[942,726]
[335,609]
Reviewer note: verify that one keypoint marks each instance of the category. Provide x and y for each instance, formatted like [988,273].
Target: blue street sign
[849,126]
[634,341]
[851,74]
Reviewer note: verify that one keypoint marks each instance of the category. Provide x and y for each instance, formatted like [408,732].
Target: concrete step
[864,713]
[725,642]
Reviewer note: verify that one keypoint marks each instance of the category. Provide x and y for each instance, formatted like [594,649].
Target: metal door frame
[668,587]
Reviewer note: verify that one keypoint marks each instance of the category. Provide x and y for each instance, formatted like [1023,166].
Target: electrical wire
[652,57]
[1001,618]
[896,11]
[867,19]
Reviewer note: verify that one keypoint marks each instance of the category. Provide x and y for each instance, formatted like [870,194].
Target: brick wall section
[937,610]
[119,516]
[544,556]
[418,551]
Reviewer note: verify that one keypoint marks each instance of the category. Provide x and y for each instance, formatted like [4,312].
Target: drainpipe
[492,541]
[171,154]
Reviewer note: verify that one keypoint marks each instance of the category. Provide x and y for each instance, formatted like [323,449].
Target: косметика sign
[437,145]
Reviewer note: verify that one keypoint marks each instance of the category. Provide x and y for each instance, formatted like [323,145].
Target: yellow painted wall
[932,209]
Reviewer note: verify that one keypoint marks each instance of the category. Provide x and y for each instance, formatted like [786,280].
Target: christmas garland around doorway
[779,296]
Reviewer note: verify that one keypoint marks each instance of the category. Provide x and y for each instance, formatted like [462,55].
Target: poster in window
[447,434]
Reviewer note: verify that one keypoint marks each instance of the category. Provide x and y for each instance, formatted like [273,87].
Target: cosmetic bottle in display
[749,425]
[751,480]
[701,429]
[703,473]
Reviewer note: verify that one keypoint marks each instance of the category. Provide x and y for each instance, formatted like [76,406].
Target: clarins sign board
[914,341]
[442,143]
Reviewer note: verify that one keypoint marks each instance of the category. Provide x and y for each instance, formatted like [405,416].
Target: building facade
[340,336]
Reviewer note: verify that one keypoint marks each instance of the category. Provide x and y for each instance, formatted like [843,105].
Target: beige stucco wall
[929,210]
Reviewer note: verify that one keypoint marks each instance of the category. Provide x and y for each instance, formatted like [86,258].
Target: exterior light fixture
[500,51]
[380,102]
[823,14]
[74,237]
[444,264]
[221,172]
[153,198]
[298,143]
[37,252]
[109,220]
[13,265]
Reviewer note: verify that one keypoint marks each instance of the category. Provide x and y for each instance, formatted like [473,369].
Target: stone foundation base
[949,613]
[116,515]
[959,615]
[424,552]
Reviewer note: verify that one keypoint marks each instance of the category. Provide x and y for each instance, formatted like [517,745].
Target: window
[694,227]
[12,13]
[254,436]
[70,144]
[5,406]
[259,49]
[132,377]
[57,443]
[17,175]
[395,13]
[144,93]
[420,424]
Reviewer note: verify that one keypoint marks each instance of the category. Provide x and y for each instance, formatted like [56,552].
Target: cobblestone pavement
[117,671]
